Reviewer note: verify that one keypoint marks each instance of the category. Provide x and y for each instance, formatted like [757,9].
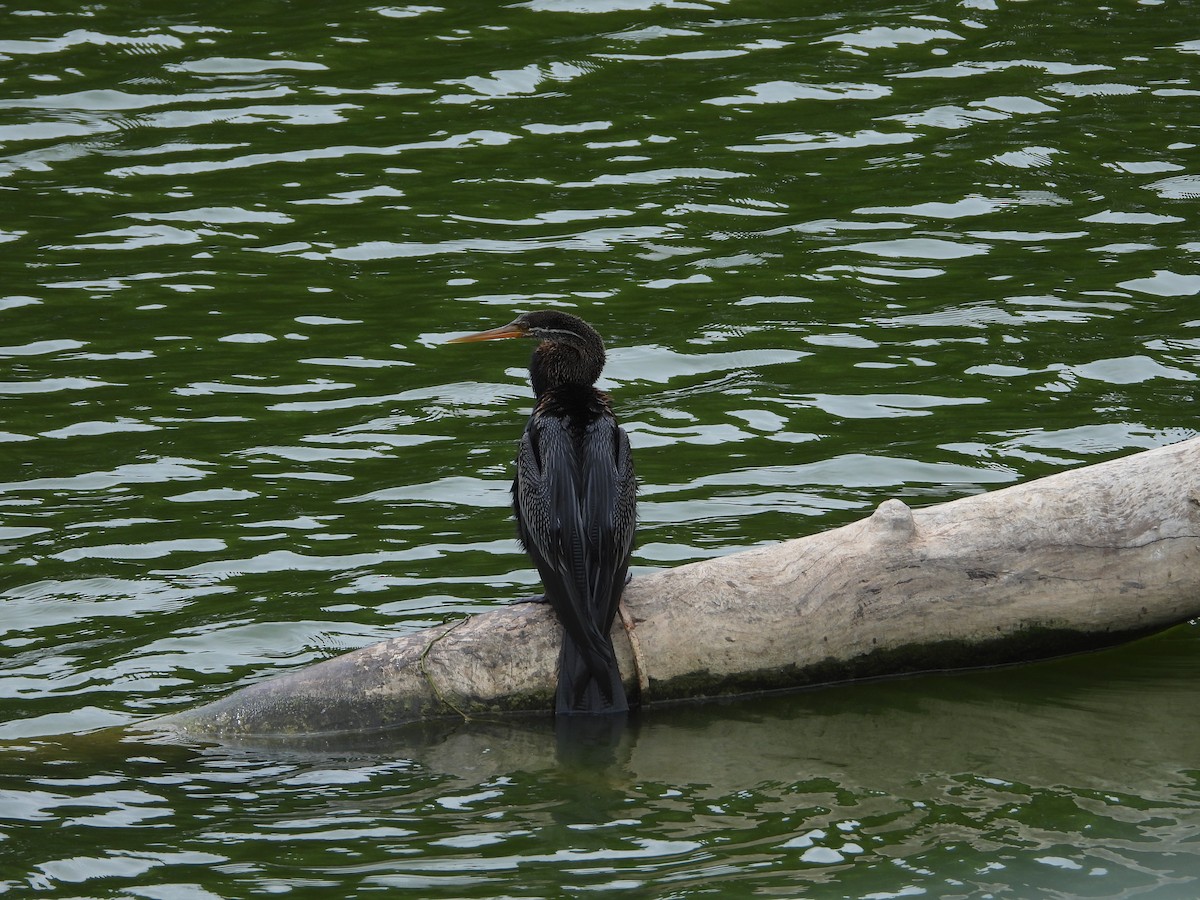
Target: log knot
[894,520]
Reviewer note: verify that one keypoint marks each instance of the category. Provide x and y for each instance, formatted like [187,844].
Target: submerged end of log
[494,663]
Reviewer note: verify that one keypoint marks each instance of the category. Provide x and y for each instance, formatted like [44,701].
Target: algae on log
[1074,561]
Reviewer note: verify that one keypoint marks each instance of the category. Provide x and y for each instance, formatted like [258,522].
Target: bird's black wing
[609,512]
[550,521]
[564,496]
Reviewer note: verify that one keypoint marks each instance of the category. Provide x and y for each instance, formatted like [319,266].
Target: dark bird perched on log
[574,496]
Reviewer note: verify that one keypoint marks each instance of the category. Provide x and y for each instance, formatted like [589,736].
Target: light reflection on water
[838,256]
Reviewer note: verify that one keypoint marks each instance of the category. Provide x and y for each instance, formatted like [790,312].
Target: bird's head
[542,324]
[570,350]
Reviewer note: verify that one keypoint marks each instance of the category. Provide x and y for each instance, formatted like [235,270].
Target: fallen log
[1036,724]
[1074,561]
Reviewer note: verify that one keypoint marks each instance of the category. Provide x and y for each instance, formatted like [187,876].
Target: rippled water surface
[840,253]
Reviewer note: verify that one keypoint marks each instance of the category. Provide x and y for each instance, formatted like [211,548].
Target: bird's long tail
[589,681]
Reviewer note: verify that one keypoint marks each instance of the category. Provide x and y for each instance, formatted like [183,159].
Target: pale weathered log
[1078,560]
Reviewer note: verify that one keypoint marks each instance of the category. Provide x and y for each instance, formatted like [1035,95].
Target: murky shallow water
[838,256]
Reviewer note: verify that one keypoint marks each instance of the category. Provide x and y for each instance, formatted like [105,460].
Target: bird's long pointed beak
[511,330]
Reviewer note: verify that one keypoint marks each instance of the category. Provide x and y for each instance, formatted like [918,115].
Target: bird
[574,498]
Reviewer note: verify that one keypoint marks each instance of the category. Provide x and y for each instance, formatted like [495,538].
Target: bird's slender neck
[567,358]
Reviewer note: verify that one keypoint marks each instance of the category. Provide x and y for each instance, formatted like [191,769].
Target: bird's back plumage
[574,496]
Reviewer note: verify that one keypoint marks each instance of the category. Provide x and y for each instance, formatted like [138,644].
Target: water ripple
[838,254]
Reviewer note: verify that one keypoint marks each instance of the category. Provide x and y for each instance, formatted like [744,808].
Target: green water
[839,255]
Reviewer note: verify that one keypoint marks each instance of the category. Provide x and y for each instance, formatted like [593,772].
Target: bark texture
[1078,560]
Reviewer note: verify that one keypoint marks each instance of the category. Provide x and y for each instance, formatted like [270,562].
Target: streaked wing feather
[553,530]
[608,500]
